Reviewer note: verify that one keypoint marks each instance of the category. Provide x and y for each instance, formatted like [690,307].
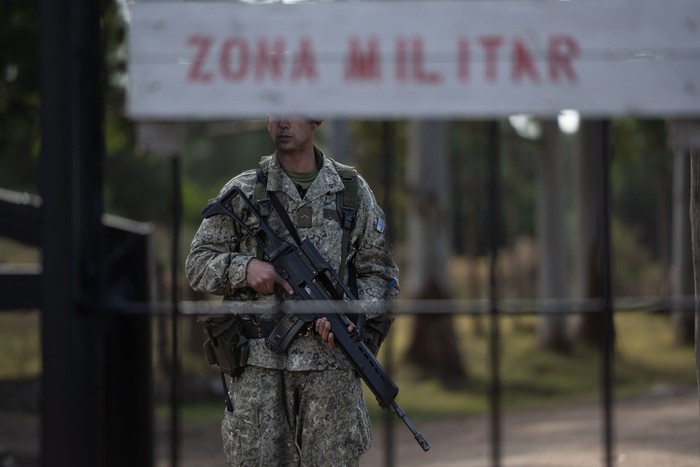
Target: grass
[645,357]
[20,348]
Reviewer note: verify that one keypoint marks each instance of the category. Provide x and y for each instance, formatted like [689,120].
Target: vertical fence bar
[388,165]
[494,332]
[175,298]
[607,321]
[73,425]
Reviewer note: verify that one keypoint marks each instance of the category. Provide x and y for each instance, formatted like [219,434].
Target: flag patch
[380,225]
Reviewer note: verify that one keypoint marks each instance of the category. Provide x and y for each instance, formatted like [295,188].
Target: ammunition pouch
[375,330]
[226,347]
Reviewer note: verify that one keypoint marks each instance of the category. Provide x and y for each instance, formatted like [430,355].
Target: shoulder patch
[380,225]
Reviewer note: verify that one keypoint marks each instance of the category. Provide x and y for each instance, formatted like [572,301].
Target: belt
[254,328]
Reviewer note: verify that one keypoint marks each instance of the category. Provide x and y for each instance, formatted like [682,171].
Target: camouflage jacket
[221,250]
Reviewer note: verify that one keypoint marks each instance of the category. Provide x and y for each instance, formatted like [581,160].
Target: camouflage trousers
[296,418]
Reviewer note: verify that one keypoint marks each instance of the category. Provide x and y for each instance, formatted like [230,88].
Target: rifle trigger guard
[308,329]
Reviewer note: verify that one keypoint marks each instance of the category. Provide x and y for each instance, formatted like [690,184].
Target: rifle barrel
[416,434]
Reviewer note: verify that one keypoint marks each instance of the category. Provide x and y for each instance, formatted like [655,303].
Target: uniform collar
[327,181]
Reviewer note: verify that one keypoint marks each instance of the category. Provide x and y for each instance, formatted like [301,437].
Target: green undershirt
[302,179]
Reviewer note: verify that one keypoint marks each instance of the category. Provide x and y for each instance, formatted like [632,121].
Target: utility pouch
[376,329]
[226,347]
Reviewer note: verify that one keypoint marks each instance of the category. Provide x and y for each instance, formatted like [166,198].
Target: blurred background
[500,228]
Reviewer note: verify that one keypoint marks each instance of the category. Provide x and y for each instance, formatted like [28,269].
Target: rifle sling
[277,204]
[285,217]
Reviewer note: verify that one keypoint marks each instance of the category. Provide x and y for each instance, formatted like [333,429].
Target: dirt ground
[660,429]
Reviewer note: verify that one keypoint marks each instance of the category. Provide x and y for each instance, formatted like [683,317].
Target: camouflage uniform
[304,407]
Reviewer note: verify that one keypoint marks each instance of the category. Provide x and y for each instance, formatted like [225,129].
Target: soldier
[304,407]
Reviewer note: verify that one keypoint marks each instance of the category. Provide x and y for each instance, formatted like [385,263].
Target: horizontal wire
[680,303]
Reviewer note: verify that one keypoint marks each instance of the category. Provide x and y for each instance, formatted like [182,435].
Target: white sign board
[477,58]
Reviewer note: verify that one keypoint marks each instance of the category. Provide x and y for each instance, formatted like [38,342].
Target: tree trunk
[551,236]
[589,205]
[433,347]
[685,136]
[695,226]
[681,264]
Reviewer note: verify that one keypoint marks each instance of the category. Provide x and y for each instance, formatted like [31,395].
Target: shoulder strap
[346,204]
[285,218]
[260,196]
[262,200]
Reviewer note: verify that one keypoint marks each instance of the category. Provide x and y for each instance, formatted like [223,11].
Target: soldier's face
[290,133]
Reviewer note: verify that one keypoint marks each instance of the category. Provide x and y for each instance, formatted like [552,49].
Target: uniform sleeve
[215,263]
[373,260]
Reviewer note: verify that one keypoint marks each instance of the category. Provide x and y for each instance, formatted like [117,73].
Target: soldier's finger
[288,288]
[319,326]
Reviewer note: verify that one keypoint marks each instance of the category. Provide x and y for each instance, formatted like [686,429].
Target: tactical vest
[375,329]
[346,206]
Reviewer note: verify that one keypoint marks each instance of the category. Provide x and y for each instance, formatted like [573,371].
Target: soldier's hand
[262,277]
[323,328]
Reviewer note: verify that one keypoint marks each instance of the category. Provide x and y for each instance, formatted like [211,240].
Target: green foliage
[641,181]
[468,186]
[367,150]
[367,154]
[469,183]
[138,187]
[518,184]
[19,95]
[634,270]
[215,153]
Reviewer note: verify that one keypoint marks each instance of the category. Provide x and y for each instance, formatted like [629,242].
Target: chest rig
[346,208]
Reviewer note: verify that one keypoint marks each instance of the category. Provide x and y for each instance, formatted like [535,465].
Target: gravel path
[660,429]
[657,430]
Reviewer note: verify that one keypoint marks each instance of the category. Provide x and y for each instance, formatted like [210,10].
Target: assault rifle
[312,278]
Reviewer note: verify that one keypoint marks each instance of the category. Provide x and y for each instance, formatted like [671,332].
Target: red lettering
[463,59]
[401,61]
[562,50]
[522,63]
[410,62]
[304,62]
[238,47]
[420,74]
[197,73]
[363,65]
[491,45]
[269,61]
